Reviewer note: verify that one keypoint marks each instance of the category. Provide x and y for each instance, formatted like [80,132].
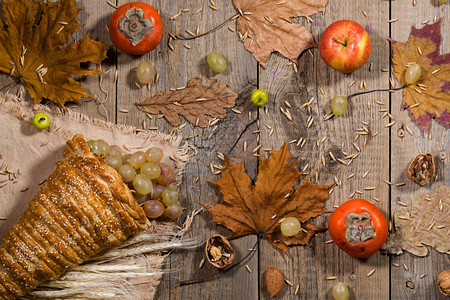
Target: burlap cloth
[29,156]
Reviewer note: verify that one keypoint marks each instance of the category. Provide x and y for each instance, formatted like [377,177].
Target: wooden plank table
[385,157]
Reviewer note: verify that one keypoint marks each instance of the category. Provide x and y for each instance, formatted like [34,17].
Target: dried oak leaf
[432,91]
[266,27]
[428,223]
[32,48]
[257,208]
[194,102]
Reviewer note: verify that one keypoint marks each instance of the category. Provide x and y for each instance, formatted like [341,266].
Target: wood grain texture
[385,156]
[403,151]
[309,267]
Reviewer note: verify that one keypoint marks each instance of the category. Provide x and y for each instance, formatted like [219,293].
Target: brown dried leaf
[33,40]
[428,223]
[190,102]
[249,208]
[268,27]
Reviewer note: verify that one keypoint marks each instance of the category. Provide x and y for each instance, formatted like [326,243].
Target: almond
[274,281]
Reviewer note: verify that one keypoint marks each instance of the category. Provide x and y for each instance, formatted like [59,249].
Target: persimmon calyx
[359,227]
[134,25]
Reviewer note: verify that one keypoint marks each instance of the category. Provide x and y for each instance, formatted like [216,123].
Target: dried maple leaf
[249,208]
[32,49]
[428,223]
[432,91]
[194,102]
[266,27]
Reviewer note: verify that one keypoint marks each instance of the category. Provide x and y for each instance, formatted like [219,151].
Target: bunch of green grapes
[144,173]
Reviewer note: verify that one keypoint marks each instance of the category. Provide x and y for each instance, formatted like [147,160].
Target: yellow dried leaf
[32,48]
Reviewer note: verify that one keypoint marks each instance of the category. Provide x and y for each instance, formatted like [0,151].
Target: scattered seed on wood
[402,203]
[125,111]
[392,20]
[288,282]
[365,174]
[352,83]
[353,194]
[390,124]
[364,13]
[371,273]
[245,146]
[321,91]
[329,242]
[248,269]
[400,184]
[296,290]
[369,188]
[405,266]
[331,278]
[396,265]
[351,175]
[236,111]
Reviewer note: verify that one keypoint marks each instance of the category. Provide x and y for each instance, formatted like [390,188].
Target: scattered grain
[400,184]
[405,266]
[248,269]
[392,20]
[111,4]
[370,272]
[331,278]
[351,175]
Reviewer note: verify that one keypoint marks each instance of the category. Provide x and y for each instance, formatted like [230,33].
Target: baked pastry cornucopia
[83,208]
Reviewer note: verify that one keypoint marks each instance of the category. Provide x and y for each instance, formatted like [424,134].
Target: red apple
[345,46]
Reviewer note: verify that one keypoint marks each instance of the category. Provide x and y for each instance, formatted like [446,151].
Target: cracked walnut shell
[443,282]
[421,169]
[219,252]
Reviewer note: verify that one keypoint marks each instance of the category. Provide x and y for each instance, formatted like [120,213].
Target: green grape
[142,184]
[167,175]
[138,159]
[216,62]
[144,72]
[154,154]
[290,226]
[153,209]
[114,161]
[99,147]
[340,291]
[169,196]
[339,105]
[152,170]
[443,1]
[126,159]
[127,172]
[412,74]
[173,211]
[115,150]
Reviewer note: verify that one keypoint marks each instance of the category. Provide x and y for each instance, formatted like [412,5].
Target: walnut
[421,169]
[219,252]
[443,282]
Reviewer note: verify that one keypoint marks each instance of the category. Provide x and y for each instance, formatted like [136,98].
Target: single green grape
[40,121]
[154,154]
[340,291]
[144,72]
[153,208]
[99,147]
[412,74]
[152,170]
[259,97]
[173,211]
[126,159]
[339,105]
[290,226]
[167,175]
[216,62]
[169,196]
[115,150]
[138,159]
[114,161]
[140,198]
[127,172]
[142,184]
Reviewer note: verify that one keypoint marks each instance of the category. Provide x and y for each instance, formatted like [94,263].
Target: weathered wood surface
[386,156]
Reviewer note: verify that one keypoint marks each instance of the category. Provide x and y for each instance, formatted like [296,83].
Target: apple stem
[377,90]
[340,42]
[181,37]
